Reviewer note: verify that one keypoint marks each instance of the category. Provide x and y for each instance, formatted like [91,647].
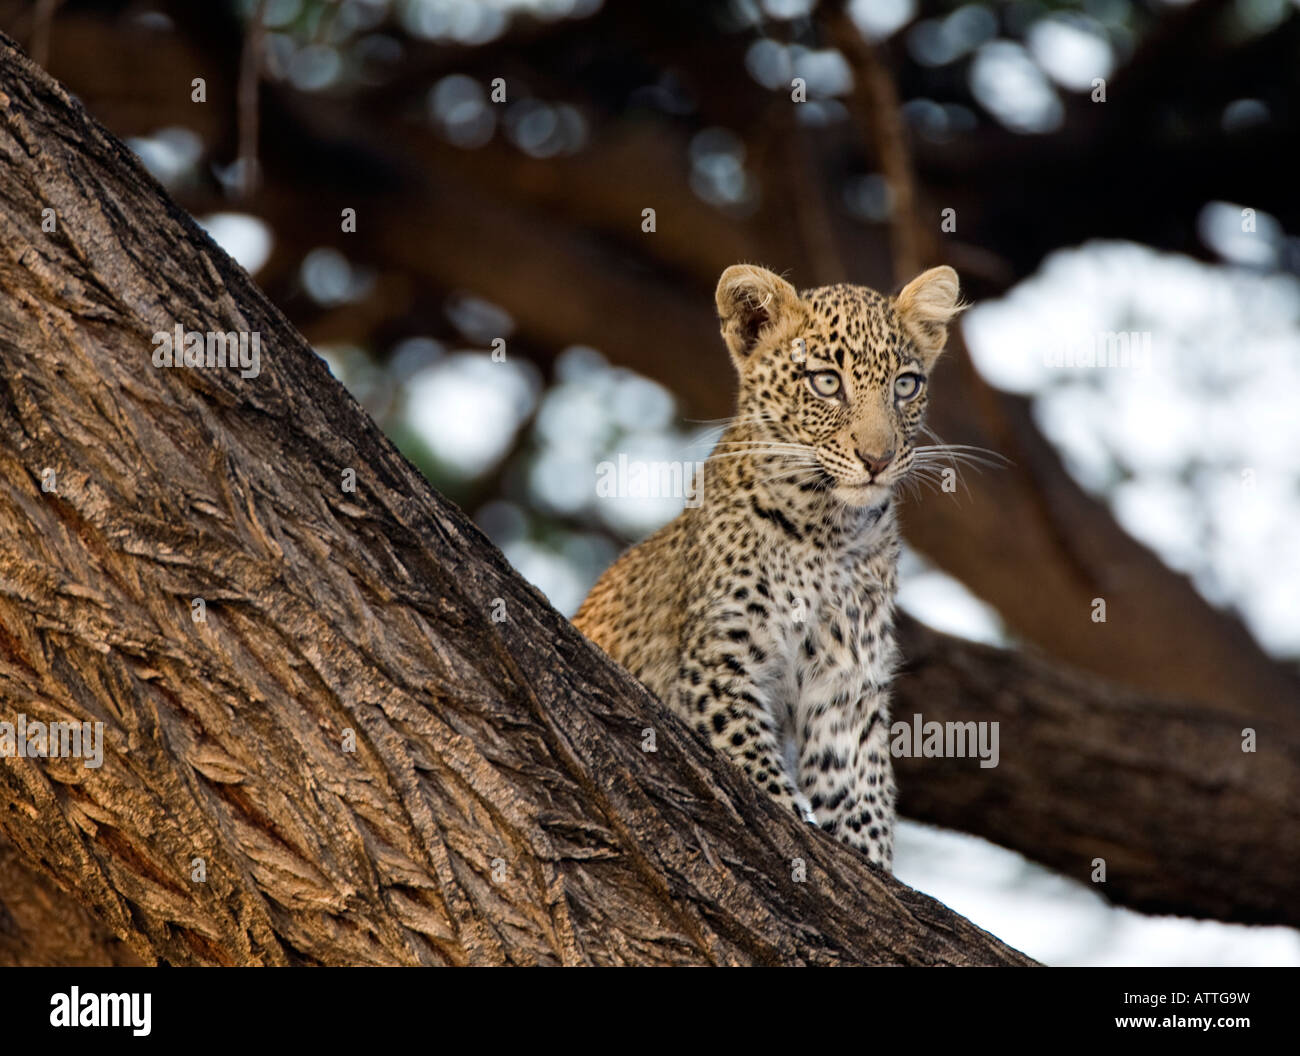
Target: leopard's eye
[907,386]
[825,383]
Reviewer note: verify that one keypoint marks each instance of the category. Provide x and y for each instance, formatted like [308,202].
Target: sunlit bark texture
[481,740]
[500,804]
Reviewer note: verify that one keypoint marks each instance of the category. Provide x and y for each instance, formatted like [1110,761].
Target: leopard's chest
[837,649]
[847,640]
[833,620]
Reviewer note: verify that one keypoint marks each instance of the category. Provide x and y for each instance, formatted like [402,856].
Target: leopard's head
[838,373]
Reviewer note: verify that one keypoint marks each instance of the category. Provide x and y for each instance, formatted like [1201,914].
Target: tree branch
[499,806]
[1027,539]
[1186,821]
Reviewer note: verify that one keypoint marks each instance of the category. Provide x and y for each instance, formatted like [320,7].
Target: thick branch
[1025,537]
[499,806]
[42,925]
[1186,821]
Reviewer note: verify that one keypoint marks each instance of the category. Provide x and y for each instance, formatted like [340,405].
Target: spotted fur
[764,615]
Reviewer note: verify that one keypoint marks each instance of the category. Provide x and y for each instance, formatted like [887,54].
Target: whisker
[962,450]
[977,454]
[794,471]
[761,452]
[764,443]
[750,416]
[958,460]
[931,476]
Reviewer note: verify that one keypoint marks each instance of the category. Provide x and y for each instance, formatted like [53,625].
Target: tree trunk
[1027,523]
[337,727]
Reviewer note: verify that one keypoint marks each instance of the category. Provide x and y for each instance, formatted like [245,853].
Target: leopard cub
[764,615]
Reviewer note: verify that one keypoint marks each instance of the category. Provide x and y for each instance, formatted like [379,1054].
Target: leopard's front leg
[721,692]
[846,770]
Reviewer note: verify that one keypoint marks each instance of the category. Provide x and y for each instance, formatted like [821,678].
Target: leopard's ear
[751,301]
[925,307]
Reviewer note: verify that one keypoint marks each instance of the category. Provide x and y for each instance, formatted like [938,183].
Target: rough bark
[1025,538]
[565,300]
[499,806]
[40,924]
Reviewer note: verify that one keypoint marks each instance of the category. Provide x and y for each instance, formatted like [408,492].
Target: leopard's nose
[876,464]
